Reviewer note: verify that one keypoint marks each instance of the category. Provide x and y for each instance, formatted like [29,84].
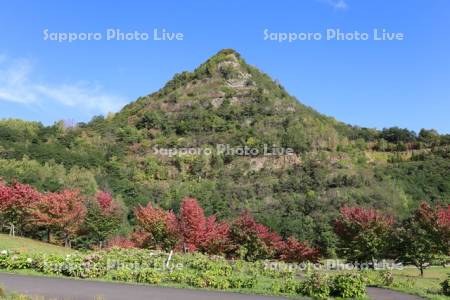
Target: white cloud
[17,85]
[336,4]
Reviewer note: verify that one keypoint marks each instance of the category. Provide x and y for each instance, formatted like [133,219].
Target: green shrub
[388,278]
[149,275]
[215,282]
[371,277]
[179,276]
[242,282]
[15,261]
[219,267]
[196,281]
[276,287]
[122,275]
[446,287]
[291,286]
[52,264]
[316,286]
[348,286]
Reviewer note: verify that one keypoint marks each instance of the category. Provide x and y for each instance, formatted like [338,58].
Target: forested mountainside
[227,101]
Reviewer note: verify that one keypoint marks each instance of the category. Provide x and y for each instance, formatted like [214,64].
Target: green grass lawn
[426,286]
[25,245]
[409,281]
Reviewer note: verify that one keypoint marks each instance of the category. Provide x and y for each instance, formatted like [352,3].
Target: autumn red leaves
[192,231]
[27,210]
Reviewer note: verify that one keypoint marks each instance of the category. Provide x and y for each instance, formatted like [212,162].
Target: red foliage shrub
[17,196]
[436,221]
[5,196]
[15,203]
[158,228]
[63,211]
[295,251]
[364,234]
[140,238]
[104,199]
[255,239]
[120,242]
[216,239]
[444,216]
[353,220]
[192,224]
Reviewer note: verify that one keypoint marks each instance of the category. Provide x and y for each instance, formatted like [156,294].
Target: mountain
[225,101]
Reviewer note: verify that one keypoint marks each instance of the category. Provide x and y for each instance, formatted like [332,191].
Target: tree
[252,240]
[61,212]
[429,137]
[157,228]
[15,203]
[104,218]
[105,201]
[192,224]
[395,135]
[294,251]
[363,234]
[216,239]
[423,236]
[444,228]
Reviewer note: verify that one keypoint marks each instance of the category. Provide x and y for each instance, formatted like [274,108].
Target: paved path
[385,294]
[69,289]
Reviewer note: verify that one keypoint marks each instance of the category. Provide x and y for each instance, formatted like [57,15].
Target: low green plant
[242,281]
[276,287]
[291,286]
[446,287]
[216,282]
[149,275]
[387,277]
[348,285]
[316,286]
[122,275]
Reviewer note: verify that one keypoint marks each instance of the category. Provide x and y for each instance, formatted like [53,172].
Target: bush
[291,286]
[276,288]
[316,286]
[241,282]
[148,276]
[388,278]
[446,287]
[15,261]
[348,286]
[122,275]
[197,281]
[179,276]
[215,282]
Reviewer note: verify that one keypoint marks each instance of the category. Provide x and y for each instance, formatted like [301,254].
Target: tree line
[365,235]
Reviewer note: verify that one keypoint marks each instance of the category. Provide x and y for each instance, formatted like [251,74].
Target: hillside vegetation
[227,101]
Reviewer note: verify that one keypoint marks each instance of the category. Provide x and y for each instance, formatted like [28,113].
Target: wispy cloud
[336,4]
[18,85]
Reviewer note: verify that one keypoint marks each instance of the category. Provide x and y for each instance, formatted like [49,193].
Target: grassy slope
[30,246]
[408,280]
[426,286]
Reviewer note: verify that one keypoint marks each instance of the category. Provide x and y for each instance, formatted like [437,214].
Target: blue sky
[368,83]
